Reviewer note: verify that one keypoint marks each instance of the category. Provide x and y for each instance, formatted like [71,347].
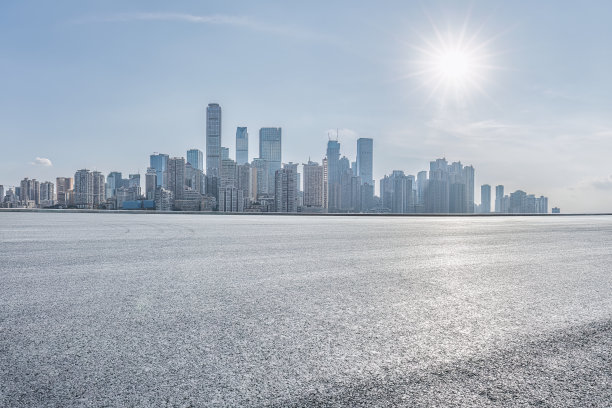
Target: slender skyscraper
[270,150]
[213,139]
[365,148]
[159,162]
[242,146]
[313,184]
[499,198]
[485,198]
[176,177]
[333,174]
[195,157]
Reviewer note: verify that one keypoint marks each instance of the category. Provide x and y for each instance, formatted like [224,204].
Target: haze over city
[520,90]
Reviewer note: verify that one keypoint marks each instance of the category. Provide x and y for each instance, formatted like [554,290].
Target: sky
[104,84]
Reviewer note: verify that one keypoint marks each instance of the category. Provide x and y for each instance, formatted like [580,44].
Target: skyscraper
[228,173]
[150,183]
[176,177]
[270,150]
[98,190]
[224,153]
[63,186]
[313,184]
[468,178]
[499,198]
[285,185]
[159,162]
[83,189]
[333,174]
[213,139]
[485,198]
[196,158]
[242,145]
[47,194]
[365,150]
[261,170]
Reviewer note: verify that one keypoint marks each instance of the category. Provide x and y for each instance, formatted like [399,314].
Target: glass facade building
[213,139]
[242,145]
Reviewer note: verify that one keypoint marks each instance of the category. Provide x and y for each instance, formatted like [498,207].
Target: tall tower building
[499,198]
[159,162]
[270,150]
[333,174]
[83,189]
[195,157]
[47,194]
[224,153]
[468,177]
[228,173]
[99,192]
[150,183]
[261,176]
[313,184]
[176,177]
[213,139]
[485,198]
[285,185]
[242,146]
[365,149]
[63,186]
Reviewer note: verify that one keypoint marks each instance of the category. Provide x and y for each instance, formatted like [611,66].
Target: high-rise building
[196,158]
[285,185]
[333,174]
[63,186]
[194,179]
[83,189]
[29,192]
[225,153]
[421,186]
[163,199]
[270,150]
[213,139]
[313,184]
[228,173]
[176,177]
[365,149]
[47,194]
[159,162]
[499,197]
[261,175]
[468,180]
[485,198]
[242,145]
[98,189]
[231,199]
[243,180]
[150,183]
[325,183]
[1,194]
[438,192]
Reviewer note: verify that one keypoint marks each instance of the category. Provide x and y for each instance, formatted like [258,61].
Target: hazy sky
[103,84]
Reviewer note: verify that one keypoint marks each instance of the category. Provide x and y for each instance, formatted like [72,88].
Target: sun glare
[453,65]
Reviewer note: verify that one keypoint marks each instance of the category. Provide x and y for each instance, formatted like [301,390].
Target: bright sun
[453,64]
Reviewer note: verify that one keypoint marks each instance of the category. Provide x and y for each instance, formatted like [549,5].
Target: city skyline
[540,122]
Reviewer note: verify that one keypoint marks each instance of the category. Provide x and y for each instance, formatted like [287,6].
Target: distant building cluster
[266,184]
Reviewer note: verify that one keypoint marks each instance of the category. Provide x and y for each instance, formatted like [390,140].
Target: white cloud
[213,19]
[42,161]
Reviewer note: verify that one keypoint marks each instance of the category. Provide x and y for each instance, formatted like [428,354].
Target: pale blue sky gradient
[103,84]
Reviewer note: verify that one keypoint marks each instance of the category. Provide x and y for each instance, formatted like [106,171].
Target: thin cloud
[603,184]
[42,161]
[212,19]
